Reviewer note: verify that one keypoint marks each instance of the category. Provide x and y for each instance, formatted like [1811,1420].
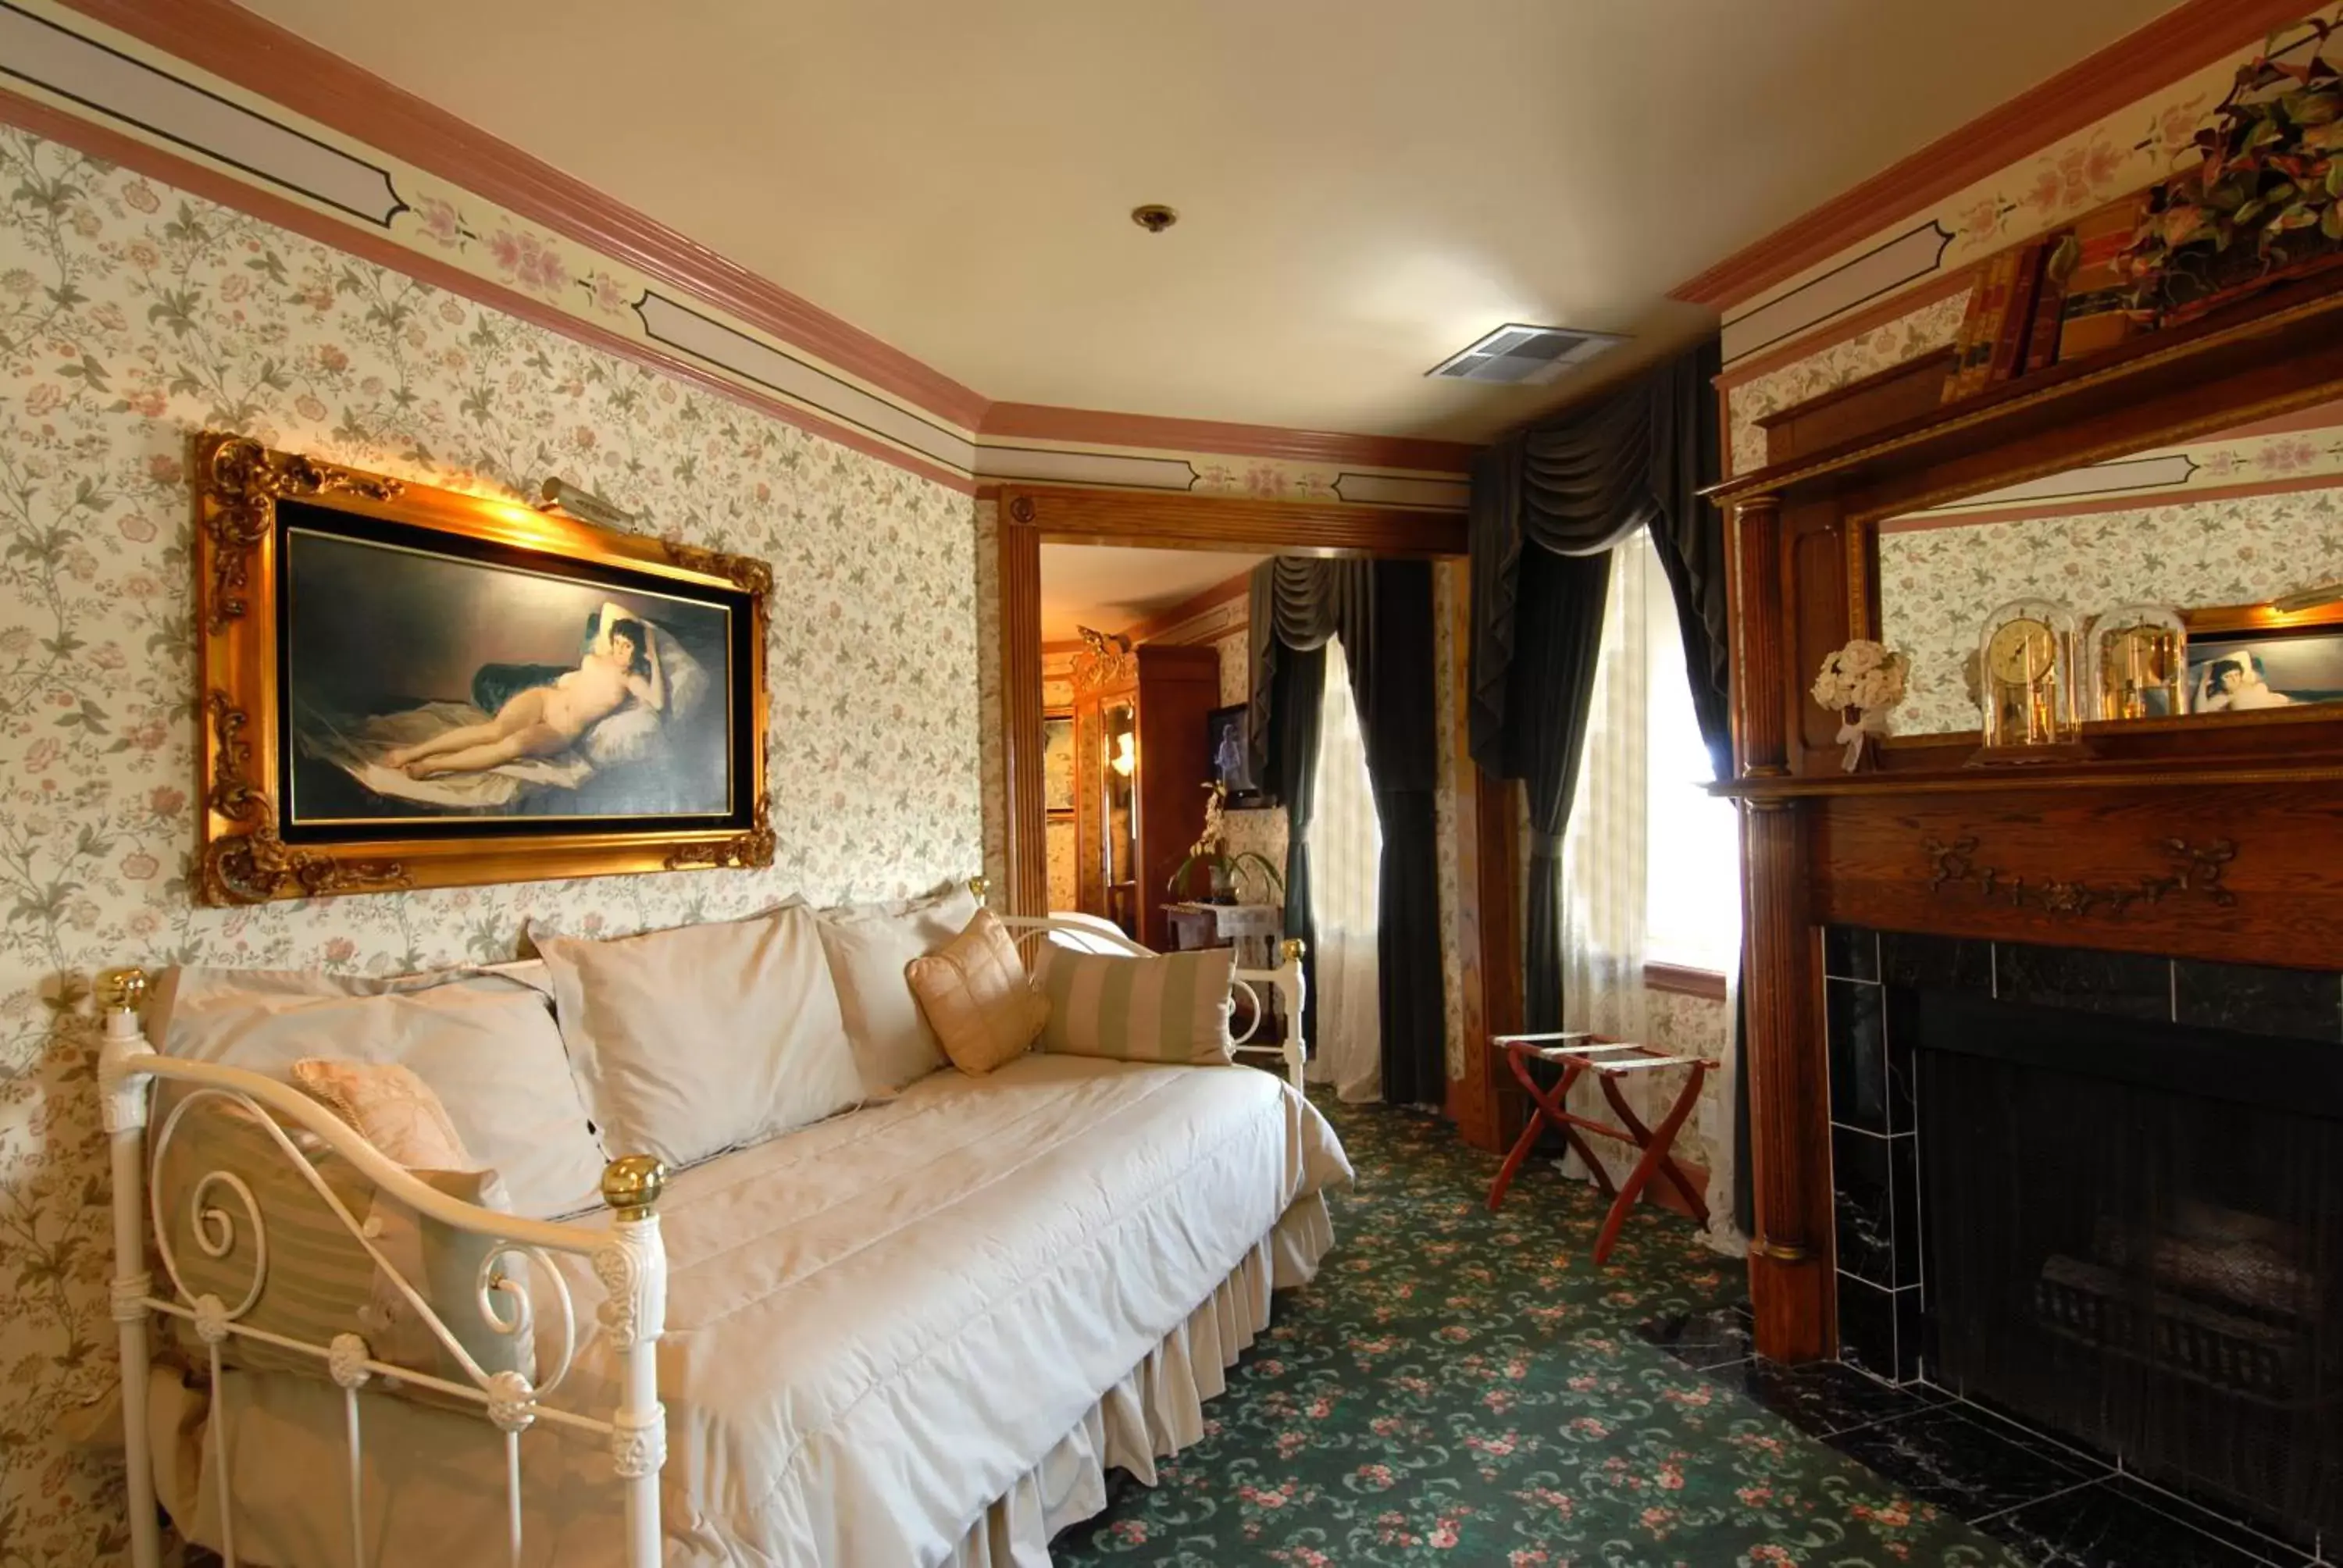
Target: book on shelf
[1981,326]
[2096,312]
[2016,329]
[2049,303]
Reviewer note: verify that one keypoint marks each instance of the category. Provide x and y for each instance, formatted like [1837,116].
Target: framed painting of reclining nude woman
[406,687]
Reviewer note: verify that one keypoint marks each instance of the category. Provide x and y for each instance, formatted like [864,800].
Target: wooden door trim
[1032,514]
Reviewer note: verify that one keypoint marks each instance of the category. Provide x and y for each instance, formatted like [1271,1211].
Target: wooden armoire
[1141,766]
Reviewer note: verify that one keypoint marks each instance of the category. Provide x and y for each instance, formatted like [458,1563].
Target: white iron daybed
[916,1333]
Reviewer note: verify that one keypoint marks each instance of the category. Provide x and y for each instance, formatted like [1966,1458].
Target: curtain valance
[1296,603]
[1580,486]
[1549,505]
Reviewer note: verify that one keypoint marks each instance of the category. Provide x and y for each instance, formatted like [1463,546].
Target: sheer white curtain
[1603,852]
[1345,849]
[1651,870]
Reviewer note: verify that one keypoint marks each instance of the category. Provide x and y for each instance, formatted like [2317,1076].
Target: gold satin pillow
[977,998]
[391,1107]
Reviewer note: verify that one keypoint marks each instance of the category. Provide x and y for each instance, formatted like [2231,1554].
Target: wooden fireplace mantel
[2220,837]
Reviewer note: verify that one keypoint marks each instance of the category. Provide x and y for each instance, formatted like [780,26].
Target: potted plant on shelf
[1211,851]
[2265,203]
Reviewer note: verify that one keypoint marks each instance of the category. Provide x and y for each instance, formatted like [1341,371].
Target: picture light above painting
[404,687]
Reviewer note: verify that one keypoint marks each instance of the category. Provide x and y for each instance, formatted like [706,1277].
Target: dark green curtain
[1689,537]
[1382,611]
[1559,643]
[1548,505]
[1393,690]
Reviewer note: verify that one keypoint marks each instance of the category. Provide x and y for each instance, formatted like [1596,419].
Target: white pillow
[690,1042]
[485,1043]
[869,948]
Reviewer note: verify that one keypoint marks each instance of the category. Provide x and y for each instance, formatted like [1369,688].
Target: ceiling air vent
[1523,355]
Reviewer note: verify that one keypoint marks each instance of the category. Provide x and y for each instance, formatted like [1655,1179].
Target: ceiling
[1109,588]
[1366,185]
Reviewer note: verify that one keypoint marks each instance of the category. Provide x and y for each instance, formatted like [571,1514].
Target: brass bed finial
[1293,948]
[631,1185]
[981,887]
[121,990]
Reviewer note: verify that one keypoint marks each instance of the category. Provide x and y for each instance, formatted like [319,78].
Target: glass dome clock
[2026,680]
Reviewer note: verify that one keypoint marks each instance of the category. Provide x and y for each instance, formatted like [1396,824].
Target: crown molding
[1005,422]
[2184,39]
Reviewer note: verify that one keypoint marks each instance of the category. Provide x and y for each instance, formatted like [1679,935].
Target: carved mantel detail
[2197,870]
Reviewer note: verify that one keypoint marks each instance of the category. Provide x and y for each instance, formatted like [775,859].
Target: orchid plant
[1211,850]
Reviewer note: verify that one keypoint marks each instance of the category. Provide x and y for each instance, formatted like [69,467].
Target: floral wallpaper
[992,764]
[132,316]
[1698,1026]
[1937,585]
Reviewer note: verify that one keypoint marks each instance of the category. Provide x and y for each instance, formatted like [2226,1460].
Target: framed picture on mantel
[405,687]
[2244,658]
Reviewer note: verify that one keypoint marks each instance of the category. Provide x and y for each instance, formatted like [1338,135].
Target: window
[1691,908]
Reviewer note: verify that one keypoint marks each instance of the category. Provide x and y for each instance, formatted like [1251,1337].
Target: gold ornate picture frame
[405,687]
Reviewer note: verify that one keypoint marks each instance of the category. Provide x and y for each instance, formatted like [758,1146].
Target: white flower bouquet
[1861,682]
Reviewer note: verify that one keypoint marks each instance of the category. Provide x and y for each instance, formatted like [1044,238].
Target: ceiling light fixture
[1521,356]
[1154,217]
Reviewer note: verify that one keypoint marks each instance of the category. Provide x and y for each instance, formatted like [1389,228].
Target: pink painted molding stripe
[1040,422]
[211,185]
[282,68]
[2119,502]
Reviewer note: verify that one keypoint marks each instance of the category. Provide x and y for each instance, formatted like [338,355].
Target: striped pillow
[320,1282]
[1173,1008]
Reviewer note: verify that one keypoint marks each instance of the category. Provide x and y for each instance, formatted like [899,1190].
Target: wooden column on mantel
[1790,1251]
[2217,837]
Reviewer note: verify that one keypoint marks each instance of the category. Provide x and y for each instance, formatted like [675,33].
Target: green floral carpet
[1466,1388]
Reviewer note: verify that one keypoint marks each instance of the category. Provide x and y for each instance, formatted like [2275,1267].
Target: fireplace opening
[2133,1237]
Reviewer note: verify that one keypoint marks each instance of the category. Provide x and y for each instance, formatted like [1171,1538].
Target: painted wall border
[2114,123]
[2181,40]
[209,183]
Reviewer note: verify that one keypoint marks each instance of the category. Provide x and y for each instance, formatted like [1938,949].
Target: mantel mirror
[1117,804]
[2170,585]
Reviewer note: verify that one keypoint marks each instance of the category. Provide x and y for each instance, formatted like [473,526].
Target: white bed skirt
[1153,1411]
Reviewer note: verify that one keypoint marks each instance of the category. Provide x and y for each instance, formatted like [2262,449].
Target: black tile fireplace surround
[2014,1130]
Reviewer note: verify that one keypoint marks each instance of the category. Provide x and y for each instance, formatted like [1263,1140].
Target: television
[1229,754]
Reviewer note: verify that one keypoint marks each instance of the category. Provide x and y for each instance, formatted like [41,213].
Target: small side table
[1610,1061]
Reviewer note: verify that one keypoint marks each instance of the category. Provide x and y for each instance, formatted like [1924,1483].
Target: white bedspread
[875,1325]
